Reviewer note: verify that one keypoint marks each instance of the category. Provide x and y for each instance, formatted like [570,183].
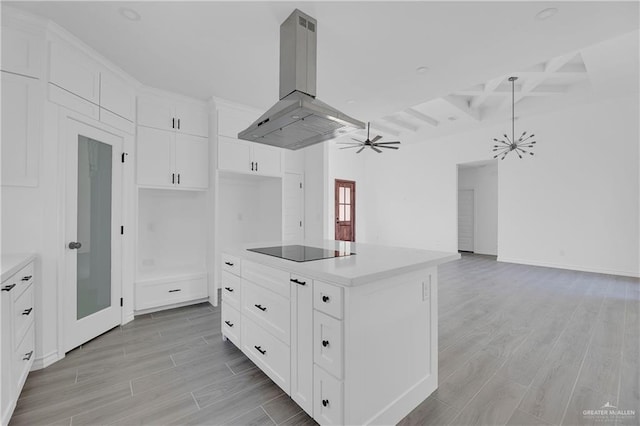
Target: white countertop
[370,263]
[13,262]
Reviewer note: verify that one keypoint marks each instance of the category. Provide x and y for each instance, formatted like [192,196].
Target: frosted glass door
[94,227]
[93,212]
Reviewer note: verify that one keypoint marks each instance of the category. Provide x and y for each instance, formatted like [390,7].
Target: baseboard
[45,361]
[128,318]
[172,306]
[634,274]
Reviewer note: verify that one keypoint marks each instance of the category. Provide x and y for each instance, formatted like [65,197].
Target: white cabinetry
[17,336]
[74,72]
[21,112]
[166,114]
[248,157]
[172,160]
[302,342]
[22,52]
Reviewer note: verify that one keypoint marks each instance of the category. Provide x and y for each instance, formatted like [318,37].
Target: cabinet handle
[256,166]
[325,402]
[173,123]
[178,124]
[228,263]
[262,308]
[252,166]
[27,311]
[173,178]
[27,356]
[178,174]
[173,291]
[259,348]
[8,287]
[229,323]
[325,299]
[325,343]
[27,278]
[295,280]
[229,289]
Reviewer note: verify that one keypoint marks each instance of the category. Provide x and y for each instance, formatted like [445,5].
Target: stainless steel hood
[298,119]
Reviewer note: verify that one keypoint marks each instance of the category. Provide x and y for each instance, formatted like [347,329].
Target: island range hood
[298,119]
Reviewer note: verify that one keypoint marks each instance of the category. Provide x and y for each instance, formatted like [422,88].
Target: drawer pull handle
[295,280]
[173,291]
[259,349]
[8,287]
[27,356]
[325,299]
[229,289]
[325,343]
[262,308]
[27,278]
[228,263]
[325,402]
[229,323]
[27,311]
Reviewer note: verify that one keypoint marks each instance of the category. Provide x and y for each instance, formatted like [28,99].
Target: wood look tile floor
[518,345]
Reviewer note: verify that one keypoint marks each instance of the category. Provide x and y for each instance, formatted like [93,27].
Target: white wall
[483,179]
[574,205]
[315,172]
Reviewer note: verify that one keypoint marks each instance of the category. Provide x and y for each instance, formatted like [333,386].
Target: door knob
[74,245]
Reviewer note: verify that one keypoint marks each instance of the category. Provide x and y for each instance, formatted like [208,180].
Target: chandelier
[507,145]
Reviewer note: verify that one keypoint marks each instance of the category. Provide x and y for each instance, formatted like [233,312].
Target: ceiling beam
[400,123]
[463,106]
[420,116]
[550,67]
[384,129]
[488,88]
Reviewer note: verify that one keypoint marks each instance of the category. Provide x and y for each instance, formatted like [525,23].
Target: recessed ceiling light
[421,70]
[452,118]
[546,13]
[129,13]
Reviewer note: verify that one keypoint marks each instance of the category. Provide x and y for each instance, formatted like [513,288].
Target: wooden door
[345,210]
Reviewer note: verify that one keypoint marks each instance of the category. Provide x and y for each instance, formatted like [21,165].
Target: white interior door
[465,219]
[93,283]
[293,207]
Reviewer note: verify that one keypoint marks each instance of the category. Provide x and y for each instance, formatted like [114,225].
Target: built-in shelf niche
[249,208]
[172,232]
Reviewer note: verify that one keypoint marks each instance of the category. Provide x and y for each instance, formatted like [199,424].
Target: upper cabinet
[22,52]
[166,114]
[73,71]
[117,96]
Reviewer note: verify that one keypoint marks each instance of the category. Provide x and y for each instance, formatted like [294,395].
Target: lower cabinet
[157,293]
[17,336]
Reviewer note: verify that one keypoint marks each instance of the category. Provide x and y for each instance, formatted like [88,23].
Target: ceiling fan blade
[375,149]
[357,140]
[388,143]
[360,150]
[349,143]
[349,147]
[377,138]
[387,147]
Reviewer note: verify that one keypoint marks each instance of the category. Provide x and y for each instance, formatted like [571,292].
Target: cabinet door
[21,52]
[192,161]
[234,155]
[192,119]
[268,160]
[155,157]
[302,342]
[156,112]
[74,72]
[117,96]
[20,128]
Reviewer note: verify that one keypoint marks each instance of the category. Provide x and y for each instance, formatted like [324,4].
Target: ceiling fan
[371,143]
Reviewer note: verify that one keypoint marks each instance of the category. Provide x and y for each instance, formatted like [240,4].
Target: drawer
[327,343]
[23,357]
[268,309]
[231,289]
[231,323]
[265,276]
[23,313]
[327,403]
[230,264]
[327,298]
[159,293]
[19,281]
[268,353]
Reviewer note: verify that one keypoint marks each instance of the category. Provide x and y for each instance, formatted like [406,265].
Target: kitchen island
[353,339]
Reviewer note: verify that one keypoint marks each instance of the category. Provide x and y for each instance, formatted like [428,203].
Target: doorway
[466,219]
[345,210]
[93,205]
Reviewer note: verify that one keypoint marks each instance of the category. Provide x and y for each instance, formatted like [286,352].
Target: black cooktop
[301,253]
